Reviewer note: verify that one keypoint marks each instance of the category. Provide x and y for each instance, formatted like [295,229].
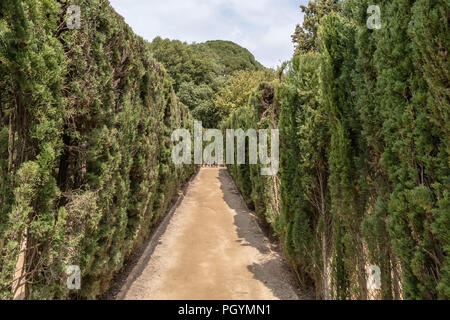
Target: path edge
[154,240]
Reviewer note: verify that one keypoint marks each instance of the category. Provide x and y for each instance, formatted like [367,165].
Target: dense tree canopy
[229,56]
[305,36]
[199,71]
[238,89]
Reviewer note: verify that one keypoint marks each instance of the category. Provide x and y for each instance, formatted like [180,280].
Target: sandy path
[212,249]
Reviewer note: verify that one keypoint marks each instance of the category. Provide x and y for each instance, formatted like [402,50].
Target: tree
[305,36]
[238,89]
[229,56]
[199,71]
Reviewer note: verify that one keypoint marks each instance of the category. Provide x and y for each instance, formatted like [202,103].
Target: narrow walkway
[212,249]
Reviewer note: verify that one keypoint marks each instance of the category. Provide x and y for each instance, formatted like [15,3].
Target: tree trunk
[18,285]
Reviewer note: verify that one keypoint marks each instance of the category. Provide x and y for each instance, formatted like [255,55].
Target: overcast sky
[262,26]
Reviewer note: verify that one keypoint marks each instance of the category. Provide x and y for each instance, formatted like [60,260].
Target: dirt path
[211,249]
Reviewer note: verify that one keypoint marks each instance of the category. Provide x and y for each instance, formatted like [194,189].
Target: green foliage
[200,71]
[85,123]
[364,177]
[238,89]
[415,152]
[229,56]
[304,172]
[305,36]
[183,63]
[260,111]
[336,36]
[86,117]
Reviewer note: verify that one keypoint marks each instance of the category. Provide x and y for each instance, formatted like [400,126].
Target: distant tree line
[200,71]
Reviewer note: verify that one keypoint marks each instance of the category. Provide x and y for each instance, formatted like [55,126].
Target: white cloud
[262,26]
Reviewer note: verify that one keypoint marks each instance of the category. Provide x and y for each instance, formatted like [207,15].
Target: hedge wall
[85,122]
[365,166]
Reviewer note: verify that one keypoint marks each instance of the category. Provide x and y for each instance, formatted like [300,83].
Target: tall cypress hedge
[365,167]
[85,122]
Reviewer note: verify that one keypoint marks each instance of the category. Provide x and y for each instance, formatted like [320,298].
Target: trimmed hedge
[85,122]
[365,166]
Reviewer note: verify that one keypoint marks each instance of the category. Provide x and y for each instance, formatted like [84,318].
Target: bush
[86,116]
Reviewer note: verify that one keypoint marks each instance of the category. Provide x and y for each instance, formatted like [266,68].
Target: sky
[262,26]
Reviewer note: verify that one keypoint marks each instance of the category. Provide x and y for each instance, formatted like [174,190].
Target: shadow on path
[273,268]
